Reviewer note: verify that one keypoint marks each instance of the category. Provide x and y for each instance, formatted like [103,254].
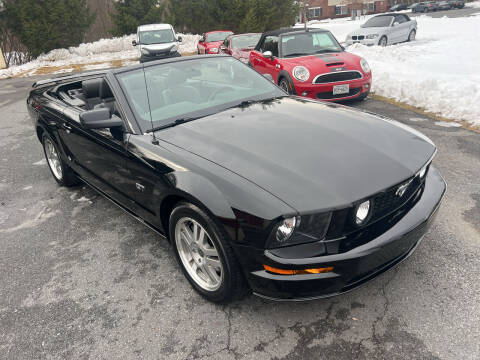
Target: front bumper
[152,57]
[350,269]
[366,42]
[358,88]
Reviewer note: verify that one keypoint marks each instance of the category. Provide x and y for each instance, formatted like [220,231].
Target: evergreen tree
[44,25]
[129,14]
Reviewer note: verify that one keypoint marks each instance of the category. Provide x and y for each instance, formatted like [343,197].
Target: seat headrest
[96,88]
[176,77]
[91,88]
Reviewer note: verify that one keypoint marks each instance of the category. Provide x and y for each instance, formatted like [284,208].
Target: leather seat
[91,91]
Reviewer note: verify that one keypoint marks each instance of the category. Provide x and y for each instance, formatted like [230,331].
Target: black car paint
[225,170]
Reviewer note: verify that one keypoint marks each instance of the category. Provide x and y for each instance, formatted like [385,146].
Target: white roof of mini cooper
[154,27]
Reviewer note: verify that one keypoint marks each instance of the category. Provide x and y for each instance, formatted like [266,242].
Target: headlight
[145,52]
[244,60]
[214,50]
[371,36]
[365,66]
[285,229]
[299,230]
[301,73]
[362,212]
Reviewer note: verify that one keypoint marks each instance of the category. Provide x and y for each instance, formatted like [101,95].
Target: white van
[157,41]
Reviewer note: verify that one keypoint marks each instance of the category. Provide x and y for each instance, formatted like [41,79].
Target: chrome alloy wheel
[198,254]
[53,159]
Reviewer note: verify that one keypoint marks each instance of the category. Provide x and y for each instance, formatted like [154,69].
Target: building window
[341,10]
[314,12]
[371,7]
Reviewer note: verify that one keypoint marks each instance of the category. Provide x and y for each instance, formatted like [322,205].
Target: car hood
[368,31]
[312,155]
[241,53]
[157,48]
[324,62]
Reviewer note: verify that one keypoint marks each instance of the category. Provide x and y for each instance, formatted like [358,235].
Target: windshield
[378,21]
[190,89]
[156,37]
[309,43]
[218,36]
[245,41]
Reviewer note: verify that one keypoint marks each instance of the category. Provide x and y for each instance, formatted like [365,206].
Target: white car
[384,30]
[157,41]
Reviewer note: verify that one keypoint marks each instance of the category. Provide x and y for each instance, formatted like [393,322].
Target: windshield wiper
[174,123]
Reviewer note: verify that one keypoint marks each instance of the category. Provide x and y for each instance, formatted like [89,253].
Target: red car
[240,46]
[311,63]
[211,41]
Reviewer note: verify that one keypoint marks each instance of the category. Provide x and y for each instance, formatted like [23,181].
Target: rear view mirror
[267,54]
[134,42]
[99,119]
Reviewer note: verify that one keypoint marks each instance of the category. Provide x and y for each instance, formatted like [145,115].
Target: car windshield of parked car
[218,36]
[186,90]
[378,21]
[245,41]
[156,37]
[309,43]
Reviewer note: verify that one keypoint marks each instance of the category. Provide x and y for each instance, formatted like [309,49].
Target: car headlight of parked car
[371,36]
[301,73]
[299,230]
[145,52]
[214,50]
[365,66]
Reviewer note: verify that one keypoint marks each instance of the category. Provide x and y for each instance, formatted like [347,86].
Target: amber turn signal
[297,272]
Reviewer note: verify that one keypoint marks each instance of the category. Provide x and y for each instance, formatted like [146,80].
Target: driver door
[266,65]
[97,155]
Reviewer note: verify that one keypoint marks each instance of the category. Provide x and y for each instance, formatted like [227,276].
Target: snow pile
[439,72]
[100,52]
[475,4]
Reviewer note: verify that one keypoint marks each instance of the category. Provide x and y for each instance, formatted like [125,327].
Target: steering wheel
[214,94]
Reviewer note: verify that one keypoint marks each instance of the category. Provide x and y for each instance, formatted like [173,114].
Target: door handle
[67,127]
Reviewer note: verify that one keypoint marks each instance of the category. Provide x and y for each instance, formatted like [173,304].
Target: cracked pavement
[81,279]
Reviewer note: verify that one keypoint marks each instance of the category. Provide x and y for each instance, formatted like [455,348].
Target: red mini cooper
[211,41]
[311,63]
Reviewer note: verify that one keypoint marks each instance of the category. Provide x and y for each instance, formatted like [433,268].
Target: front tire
[287,86]
[61,172]
[383,41]
[412,35]
[205,255]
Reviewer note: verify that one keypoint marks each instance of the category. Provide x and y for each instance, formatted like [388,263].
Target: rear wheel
[287,86]
[61,172]
[205,255]
[383,41]
[412,35]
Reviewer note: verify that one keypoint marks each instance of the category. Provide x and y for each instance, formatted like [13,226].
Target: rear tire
[205,255]
[61,172]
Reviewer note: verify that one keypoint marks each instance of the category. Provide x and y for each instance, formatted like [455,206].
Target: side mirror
[267,54]
[202,39]
[222,47]
[99,119]
[268,77]
[396,23]
[179,39]
[134,42]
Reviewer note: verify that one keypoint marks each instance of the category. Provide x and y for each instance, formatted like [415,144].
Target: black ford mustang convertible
[257,191]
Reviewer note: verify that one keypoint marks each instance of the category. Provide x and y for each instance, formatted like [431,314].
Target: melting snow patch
[28,187]
[447,124]
[417,119]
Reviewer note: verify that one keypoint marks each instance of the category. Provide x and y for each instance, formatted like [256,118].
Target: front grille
[359,37]
[337,76]
[328,95]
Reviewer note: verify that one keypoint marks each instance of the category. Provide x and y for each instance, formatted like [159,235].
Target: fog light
[298,272]
[366,86]
[362,212]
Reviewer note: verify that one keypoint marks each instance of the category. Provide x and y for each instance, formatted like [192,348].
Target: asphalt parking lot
[81,279]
